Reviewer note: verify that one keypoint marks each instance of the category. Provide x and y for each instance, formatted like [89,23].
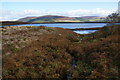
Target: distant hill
[56,18]
[26,19]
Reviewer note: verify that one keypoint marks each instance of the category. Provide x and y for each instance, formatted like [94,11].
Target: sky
[11,10]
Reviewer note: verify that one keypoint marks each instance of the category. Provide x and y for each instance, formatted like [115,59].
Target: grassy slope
[55,18]
[42,52]
[80,20]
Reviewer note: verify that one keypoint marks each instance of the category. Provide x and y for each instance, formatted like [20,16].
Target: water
[84,31]
[69,26]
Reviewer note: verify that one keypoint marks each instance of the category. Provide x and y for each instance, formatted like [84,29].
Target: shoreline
[4,23]
[97,28]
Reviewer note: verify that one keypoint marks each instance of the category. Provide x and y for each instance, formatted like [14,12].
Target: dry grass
[43,52]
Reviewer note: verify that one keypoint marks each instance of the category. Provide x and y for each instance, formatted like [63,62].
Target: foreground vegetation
[44,52]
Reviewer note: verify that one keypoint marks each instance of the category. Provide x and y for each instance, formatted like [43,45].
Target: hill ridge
[59,18]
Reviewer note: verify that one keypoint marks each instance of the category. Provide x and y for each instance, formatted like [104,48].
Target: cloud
[14,15]
[93,12]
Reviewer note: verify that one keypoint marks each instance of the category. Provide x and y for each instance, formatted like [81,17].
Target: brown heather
[44,52]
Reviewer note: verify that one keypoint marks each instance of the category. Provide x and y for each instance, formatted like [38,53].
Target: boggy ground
[44,52]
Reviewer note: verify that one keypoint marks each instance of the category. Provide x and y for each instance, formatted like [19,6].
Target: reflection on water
[84,31]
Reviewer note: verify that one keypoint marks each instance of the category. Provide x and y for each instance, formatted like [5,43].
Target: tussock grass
[43,52]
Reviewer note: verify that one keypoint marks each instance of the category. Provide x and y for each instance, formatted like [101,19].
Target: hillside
[47,52]
[26,19]
[56,18]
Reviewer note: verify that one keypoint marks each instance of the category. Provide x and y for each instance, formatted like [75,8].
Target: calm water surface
[69,26]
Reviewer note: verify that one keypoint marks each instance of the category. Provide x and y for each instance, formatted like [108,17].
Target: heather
[45,52]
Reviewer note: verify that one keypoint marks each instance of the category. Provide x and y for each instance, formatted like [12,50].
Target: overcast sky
[15,10]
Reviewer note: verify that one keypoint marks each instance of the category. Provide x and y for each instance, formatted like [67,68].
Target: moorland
[49,52]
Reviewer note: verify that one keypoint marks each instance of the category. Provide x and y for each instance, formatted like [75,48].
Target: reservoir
[68,26]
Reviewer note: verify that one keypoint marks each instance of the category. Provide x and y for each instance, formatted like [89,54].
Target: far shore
[3,23]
